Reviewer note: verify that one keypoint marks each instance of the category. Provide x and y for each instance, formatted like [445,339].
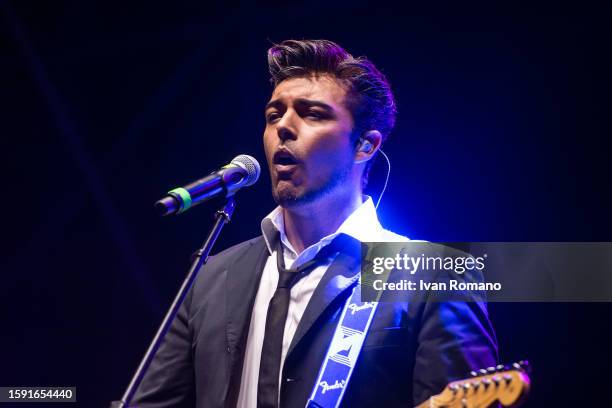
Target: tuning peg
[500,367]
[454,388]
[473,373]
[482,371]
[508,378]
[522,365]
[491,370]
[496,379]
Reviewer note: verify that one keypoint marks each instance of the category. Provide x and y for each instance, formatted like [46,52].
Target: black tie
[269,367]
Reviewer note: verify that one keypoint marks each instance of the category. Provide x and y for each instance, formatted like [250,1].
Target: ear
[367,146]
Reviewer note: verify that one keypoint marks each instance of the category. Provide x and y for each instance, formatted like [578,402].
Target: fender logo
[326,387]
[354,307]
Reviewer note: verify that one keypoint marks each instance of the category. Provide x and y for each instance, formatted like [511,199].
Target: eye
[272,117]
[315,114]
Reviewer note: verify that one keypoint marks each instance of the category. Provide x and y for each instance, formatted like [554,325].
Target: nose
[285,127]
[285,134]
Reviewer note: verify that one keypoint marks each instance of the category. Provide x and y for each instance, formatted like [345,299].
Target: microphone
[242,171]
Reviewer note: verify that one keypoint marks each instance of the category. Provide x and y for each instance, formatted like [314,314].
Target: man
[328,116]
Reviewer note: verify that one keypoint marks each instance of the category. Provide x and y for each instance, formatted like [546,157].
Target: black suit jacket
[411,351]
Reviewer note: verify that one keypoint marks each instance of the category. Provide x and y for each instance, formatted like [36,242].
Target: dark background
[501,136]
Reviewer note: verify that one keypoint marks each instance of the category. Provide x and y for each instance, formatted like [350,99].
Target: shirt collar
[362,224]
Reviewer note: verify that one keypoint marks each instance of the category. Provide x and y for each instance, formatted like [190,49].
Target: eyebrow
[301,101]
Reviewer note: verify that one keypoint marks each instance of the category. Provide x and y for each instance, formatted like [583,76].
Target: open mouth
[284,158]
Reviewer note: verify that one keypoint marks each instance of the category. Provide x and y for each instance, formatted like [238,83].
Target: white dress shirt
[362,225]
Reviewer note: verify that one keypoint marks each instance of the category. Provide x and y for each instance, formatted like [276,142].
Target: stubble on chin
[287,196]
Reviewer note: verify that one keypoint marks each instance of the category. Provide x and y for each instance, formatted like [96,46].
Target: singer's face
[308,140]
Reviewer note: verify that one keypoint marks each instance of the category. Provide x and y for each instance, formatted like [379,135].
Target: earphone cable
[386,179]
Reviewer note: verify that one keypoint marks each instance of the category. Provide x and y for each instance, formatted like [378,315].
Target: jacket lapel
[242,282]
[341,276]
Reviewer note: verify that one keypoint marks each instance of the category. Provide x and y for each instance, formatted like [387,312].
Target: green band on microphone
[185,198]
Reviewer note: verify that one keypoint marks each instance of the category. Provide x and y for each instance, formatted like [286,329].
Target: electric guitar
[507,385]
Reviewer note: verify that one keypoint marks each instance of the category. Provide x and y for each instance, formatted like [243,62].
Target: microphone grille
[251,165]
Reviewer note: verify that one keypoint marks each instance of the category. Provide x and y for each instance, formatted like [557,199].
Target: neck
[307,224]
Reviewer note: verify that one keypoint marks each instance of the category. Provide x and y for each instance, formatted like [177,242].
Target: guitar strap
[344,349]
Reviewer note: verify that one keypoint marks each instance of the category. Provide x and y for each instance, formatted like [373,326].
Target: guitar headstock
[507,385]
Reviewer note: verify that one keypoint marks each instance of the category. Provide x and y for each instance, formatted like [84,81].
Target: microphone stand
[222,217]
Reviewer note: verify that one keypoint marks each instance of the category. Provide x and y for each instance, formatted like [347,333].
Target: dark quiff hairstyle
[369,96]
